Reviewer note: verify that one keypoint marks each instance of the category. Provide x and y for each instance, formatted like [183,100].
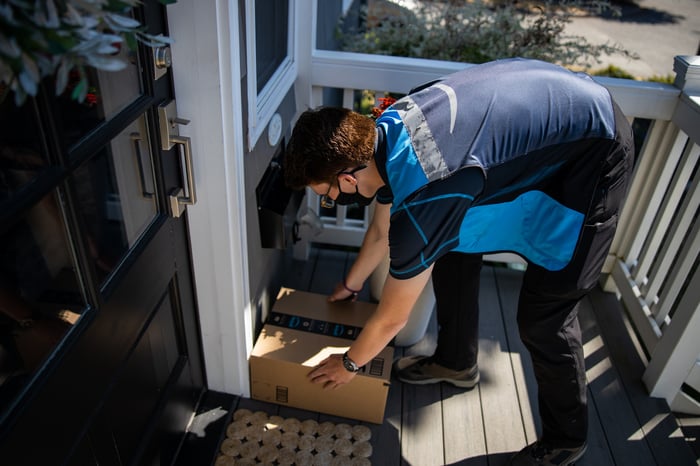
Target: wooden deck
[440,424]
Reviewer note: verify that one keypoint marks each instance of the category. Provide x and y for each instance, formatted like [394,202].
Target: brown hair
[324,142]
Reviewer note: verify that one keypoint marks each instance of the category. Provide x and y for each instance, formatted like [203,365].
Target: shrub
[476,32]
[612,71]
[60,37]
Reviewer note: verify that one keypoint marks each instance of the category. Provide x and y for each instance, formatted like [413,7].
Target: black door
[100,357]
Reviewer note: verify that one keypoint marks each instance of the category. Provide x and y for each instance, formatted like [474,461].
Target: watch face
[349,365]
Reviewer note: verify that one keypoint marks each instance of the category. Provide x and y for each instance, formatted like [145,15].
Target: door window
[22,149]
[40,295]
[42,283]
[108,92]
[116,196]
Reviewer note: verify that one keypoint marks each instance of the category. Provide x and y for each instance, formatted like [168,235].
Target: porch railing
[653,264]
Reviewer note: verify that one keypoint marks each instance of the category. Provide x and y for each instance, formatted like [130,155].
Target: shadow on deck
[440,424]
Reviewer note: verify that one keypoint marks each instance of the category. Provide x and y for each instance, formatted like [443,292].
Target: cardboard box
[302,330]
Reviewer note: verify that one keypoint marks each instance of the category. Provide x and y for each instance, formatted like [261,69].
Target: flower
[384,103]
[91,98]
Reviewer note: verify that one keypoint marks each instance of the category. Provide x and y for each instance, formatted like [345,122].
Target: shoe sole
[457,383]
[525,457]
[580,454]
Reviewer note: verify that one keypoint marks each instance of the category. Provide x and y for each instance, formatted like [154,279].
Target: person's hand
[331,372]
[341,293]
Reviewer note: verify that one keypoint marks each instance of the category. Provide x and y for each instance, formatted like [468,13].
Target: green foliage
[57,37]
[612,71]
[668,79]
[364,102]
[476,32]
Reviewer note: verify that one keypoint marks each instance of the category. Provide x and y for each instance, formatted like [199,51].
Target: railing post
[688,81]
[687,68]
[305,33]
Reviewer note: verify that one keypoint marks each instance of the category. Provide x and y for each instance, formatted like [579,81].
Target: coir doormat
[257,438]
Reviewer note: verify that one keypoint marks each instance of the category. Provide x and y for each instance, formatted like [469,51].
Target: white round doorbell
[274,129]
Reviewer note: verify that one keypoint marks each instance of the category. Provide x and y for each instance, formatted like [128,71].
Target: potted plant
[62,37]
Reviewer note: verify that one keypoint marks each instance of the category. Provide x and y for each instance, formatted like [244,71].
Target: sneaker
[423,370]
[539,454]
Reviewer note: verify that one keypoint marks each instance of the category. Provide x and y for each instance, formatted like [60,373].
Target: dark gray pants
[547,307]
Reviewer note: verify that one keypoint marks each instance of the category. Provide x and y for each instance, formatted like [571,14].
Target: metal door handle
[169,137]
[178,200]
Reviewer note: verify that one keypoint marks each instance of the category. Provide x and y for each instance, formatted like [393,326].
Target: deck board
[508,282]
[421,426]
[386,438]
[611,416]
[656,427]
[503,424]
[440,424]
[463,426]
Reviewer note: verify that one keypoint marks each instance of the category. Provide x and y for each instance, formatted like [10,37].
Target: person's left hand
[340,293]
[331,373]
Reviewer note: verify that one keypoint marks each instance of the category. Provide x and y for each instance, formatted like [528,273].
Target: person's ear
[346,177]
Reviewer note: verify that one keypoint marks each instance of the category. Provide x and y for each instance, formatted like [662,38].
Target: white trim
[305,44]
[206,71]
[642,99]
[381,73]
[262,106]
[347,70]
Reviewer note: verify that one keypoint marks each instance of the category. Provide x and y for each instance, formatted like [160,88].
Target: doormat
[256,438]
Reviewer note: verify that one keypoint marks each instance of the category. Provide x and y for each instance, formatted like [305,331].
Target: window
[271,65]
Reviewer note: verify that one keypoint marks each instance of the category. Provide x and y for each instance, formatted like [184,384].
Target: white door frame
[206,70]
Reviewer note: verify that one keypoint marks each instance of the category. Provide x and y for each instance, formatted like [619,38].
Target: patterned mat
[257,438]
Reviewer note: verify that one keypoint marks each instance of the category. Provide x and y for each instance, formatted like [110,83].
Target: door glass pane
[116,196]
[21,149]
[40,297]
[109,92]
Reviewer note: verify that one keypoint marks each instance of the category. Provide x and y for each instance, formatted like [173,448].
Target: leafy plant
[664,79]
[613,71]
[56,37]
[476,32]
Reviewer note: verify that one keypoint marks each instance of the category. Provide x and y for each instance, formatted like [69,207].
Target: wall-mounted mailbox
[277,207]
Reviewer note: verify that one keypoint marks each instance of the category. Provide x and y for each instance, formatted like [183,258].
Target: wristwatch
[349,364]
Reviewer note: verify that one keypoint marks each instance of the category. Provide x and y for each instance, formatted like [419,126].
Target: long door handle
[178,200]
[170,137]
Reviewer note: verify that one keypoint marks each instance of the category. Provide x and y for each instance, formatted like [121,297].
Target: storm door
[100,359]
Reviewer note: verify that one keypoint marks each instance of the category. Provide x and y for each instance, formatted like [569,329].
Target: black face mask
[356,197]
[353,198]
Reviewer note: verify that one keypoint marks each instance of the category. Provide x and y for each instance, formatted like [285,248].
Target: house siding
[266,266]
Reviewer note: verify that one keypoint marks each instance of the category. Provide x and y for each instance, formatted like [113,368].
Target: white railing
[657,247]
[653,262]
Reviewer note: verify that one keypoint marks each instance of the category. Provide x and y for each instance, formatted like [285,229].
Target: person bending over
[512,155]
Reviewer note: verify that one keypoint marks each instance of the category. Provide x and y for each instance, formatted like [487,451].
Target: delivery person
[513,155]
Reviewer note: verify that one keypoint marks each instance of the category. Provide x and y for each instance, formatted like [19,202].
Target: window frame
[263,105]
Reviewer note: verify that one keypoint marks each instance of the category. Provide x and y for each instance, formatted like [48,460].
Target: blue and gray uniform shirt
[488,160]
